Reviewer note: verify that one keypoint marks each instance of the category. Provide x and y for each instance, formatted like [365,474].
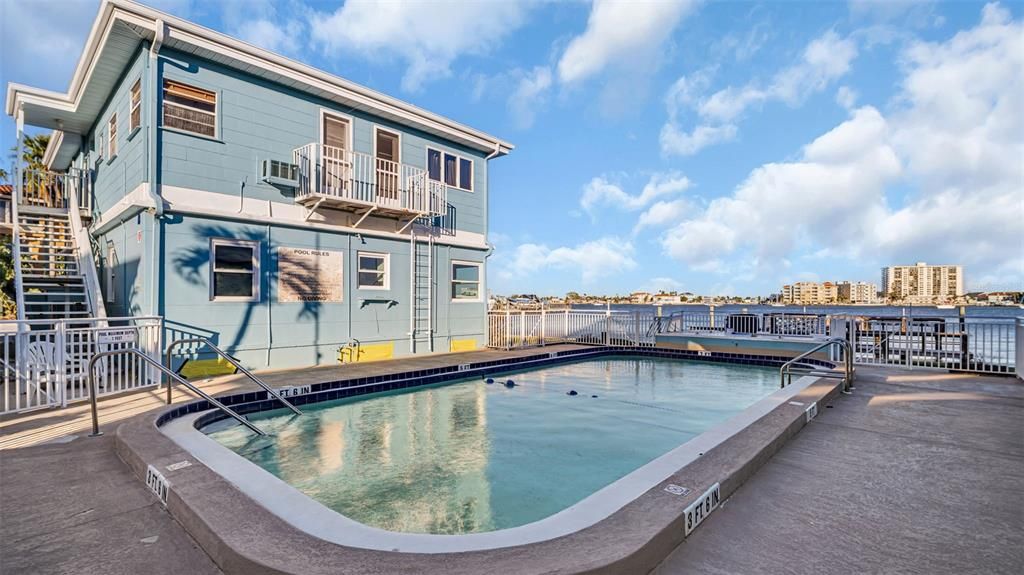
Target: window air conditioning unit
[279,173]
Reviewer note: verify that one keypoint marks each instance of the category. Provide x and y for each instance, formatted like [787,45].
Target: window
[112,136]
[135,110]
[465,281]
[111,273]
[234,269]
[190,109]
[453,170]
[373,271]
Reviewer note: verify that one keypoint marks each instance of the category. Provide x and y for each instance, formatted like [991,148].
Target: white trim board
[198,203]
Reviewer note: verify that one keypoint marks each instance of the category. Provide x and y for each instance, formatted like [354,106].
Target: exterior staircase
[53,287]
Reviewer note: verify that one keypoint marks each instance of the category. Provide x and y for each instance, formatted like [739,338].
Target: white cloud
[823,60]
[281,38]
[846,97]
[600,191]
[592,260]
[675,141]
[664,284]
[662,214]
[951,148]
[529,95]
[40,42]
[620,33]
[427,36]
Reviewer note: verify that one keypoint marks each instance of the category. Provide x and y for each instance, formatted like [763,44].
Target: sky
[709,147]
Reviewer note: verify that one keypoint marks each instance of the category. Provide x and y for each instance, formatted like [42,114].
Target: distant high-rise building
[922,283]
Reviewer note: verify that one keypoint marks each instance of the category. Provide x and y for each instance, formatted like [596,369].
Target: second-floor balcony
[342,179]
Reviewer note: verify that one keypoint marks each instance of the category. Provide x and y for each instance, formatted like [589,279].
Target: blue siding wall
[304,333]
[116,176]
[260,120]
[132,245]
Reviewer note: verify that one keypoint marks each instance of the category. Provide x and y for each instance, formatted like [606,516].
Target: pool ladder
[786,371]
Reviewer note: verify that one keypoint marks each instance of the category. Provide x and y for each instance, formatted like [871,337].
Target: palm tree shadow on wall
[193,265]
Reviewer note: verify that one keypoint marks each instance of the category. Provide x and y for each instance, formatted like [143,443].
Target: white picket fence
[516,329]
[44,363]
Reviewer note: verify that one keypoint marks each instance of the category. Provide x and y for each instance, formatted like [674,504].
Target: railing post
[607,325]
[543,324]
[60,358]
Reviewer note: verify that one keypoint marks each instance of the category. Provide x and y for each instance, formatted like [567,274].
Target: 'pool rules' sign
[699,510]
[308,275]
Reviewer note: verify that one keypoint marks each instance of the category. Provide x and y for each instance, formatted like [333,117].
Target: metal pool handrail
[132,351]
[232,361]
[786,371]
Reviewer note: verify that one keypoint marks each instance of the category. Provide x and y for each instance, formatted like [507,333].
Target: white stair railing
[84,256]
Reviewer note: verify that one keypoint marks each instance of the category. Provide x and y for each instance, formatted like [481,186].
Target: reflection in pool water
[467,457]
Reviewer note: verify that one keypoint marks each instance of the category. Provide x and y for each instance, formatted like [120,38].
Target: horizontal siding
[116,177]
[260,120]
[301,331]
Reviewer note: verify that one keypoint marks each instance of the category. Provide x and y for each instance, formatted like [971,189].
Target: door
[335,156]
[387,158]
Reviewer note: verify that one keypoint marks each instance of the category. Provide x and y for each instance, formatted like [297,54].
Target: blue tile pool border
[251,402]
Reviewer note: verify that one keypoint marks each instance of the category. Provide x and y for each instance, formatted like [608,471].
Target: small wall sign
[812,411]
[122,335]
[157,483]
[699,510]
[294,390]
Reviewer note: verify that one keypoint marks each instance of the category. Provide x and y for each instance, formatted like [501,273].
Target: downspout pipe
[154,75]
[153,166]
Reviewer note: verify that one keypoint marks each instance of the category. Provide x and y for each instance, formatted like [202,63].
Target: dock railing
[981,345]
[512,329]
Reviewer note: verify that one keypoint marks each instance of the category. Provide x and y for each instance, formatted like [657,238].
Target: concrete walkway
[916,472]
[75,508]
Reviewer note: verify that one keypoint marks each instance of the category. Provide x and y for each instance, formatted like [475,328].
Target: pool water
[468,457]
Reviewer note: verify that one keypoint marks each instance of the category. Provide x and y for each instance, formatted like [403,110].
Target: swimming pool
[470,457]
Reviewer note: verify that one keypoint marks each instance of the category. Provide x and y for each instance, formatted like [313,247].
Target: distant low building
[810,293]
[640,297]
[857,292]
[667,299]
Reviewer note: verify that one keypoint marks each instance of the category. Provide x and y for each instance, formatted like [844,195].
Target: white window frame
[480,281]
[231,242]
[112,136]
[216,109]
[135,104]
[389,131]
[111,275]
[387,270]
[458,159]
[324,112]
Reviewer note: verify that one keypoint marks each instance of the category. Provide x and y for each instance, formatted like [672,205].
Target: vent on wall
[279,173]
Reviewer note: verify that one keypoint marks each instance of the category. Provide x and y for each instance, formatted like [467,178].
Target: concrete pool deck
[916,472]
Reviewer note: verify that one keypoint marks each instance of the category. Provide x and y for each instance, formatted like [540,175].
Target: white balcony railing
[356,179]
[52,189]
